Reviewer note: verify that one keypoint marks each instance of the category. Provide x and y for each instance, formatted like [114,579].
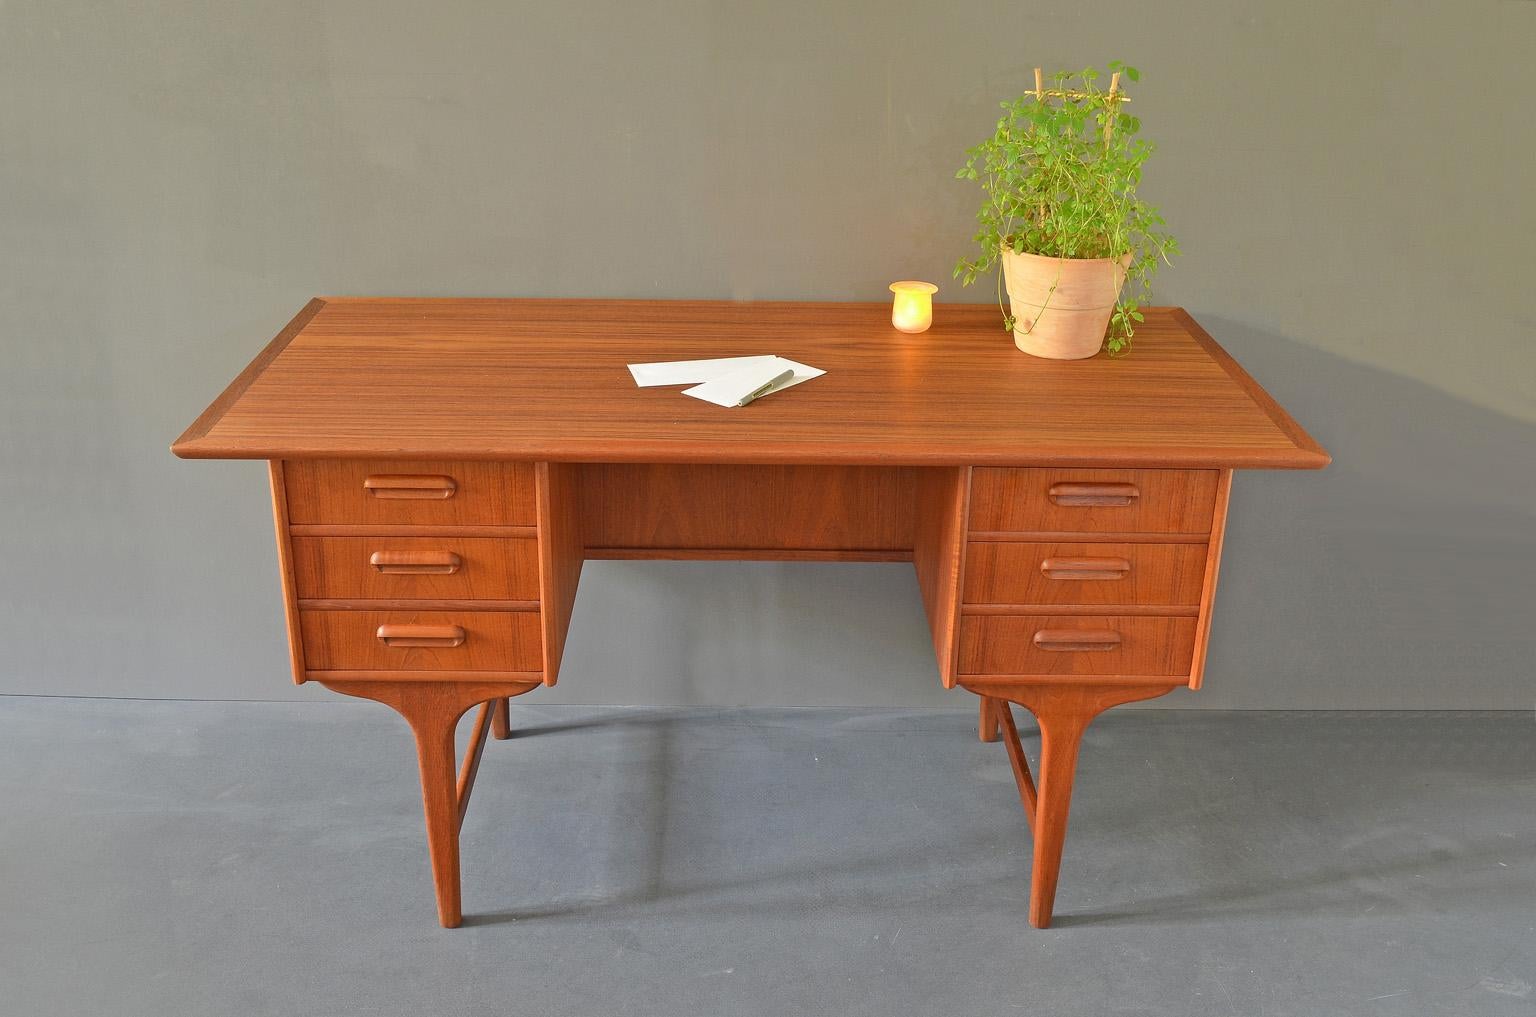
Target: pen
[767,386]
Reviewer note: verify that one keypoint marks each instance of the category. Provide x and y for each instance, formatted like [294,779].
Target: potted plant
[1062,224]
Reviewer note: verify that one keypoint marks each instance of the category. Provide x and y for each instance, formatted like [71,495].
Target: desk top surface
[547,379]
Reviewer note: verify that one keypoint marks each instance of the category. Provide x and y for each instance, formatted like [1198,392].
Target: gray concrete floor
[248,858]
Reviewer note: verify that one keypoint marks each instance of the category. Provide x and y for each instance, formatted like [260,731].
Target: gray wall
[1351,183]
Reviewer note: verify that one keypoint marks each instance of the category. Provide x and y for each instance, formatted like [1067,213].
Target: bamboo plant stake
[1109,119]
[1040,98]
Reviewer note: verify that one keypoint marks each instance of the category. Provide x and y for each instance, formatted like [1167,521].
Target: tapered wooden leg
[433,710]
[1060,735]
[1063,712]
[986,727]
[501,719]
[440,802]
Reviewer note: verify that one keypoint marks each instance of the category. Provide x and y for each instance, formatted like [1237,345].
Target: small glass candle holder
[912,307]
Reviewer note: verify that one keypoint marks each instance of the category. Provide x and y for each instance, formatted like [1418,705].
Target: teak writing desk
[441,469]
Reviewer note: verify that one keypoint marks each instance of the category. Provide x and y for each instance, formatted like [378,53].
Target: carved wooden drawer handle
[1073,641]
[420,635]
[400,486]
[1090,495]
[416,563]
[1085,568]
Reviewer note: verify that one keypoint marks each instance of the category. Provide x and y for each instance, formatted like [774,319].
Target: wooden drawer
[412,492]
[421,640]
[416,568]
[1076,645]
[1097,501]
[1084,574]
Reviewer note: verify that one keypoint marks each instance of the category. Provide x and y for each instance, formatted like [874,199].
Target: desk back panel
[820,513]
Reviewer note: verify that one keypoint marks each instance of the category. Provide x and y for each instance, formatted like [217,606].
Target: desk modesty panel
[441,469]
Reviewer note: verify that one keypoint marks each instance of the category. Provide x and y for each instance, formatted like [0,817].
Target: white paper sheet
[744,384]
[690,372]
[694,372]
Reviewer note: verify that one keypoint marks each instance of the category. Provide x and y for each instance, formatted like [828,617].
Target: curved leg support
[1063,712]
[1002,712]
[433,710]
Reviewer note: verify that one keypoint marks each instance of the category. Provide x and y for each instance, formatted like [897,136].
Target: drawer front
[1084,574]
[1097,501]
[1076,645]
[414,492]
[416,568]
[421,640]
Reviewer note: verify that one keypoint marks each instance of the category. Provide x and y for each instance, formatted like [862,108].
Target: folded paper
[744,384]
[690,372]
[777,373]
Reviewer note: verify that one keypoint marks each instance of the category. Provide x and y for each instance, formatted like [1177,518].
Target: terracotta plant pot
[1062,306]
